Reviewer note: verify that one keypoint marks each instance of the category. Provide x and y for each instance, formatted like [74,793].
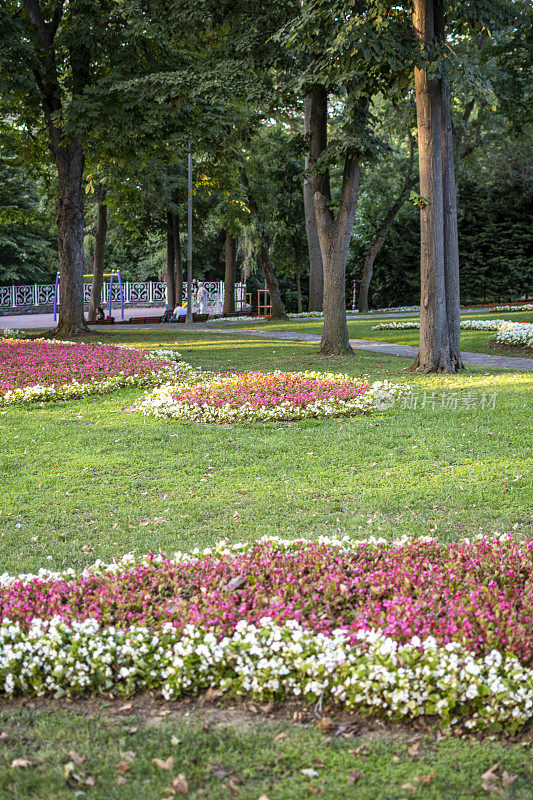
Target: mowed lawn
[88,479]
[471,341]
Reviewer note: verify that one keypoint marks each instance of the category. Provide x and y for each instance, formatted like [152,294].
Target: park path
[386,348]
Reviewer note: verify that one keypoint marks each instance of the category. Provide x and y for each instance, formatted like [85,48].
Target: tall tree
[334,232]
[316,270]
[439,349]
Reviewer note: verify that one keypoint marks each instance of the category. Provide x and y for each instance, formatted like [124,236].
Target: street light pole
[188,318]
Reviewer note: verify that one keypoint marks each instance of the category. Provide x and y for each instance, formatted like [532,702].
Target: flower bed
[408,628]
[518,334]
[508,308]
[260,397]
[513,334]
[37,370]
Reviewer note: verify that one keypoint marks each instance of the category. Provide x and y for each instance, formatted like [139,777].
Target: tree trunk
[378,243]
[299,290]
[277,306]
[449,189]
[434,354]
[316,270]
[70,162]
[99,252]
[171,276]
[229,275]
[178,262]
[334,234]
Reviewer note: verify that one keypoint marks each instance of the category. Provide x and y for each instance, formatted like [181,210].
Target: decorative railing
[135,292]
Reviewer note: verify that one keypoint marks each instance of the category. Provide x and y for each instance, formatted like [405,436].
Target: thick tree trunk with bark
[435,352]
[99,253]
[68,156]
[316,271]
[229,275]
[70,163]
[171,274]
[278,310]
[334,234]
[449,190]
[178,261]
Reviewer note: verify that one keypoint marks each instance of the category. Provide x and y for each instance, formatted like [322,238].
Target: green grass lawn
[232,753]
[86,479]
[471,341]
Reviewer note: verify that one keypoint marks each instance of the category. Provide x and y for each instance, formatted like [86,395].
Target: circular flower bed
[36,370]
[257,396]
[404,629]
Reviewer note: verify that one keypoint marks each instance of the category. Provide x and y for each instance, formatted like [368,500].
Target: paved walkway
[386,348]
[36,321]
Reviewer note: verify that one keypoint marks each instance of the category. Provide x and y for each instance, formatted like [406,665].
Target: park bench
[145,320]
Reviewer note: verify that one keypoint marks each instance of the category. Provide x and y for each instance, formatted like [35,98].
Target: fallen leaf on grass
[309,773]
[263,797]
[90,781]
[362,750]
[409,787]
[278,738]
[127,755]
[355,775]
[508,780]
[490,780]
[167,764]
[76,758]
[325,724]
[22,763]
[120,780]
[234,789]
[174,741]
[3,736]
[178,785]
[425,779]
[314,789]
[413,750]
[122,767]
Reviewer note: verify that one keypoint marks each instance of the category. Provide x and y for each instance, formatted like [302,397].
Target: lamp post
[188,317]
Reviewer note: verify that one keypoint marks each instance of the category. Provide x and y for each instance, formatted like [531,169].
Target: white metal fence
[135,292]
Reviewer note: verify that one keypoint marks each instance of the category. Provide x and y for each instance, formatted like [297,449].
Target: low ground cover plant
[37,370]
[258,396]
[402,629]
